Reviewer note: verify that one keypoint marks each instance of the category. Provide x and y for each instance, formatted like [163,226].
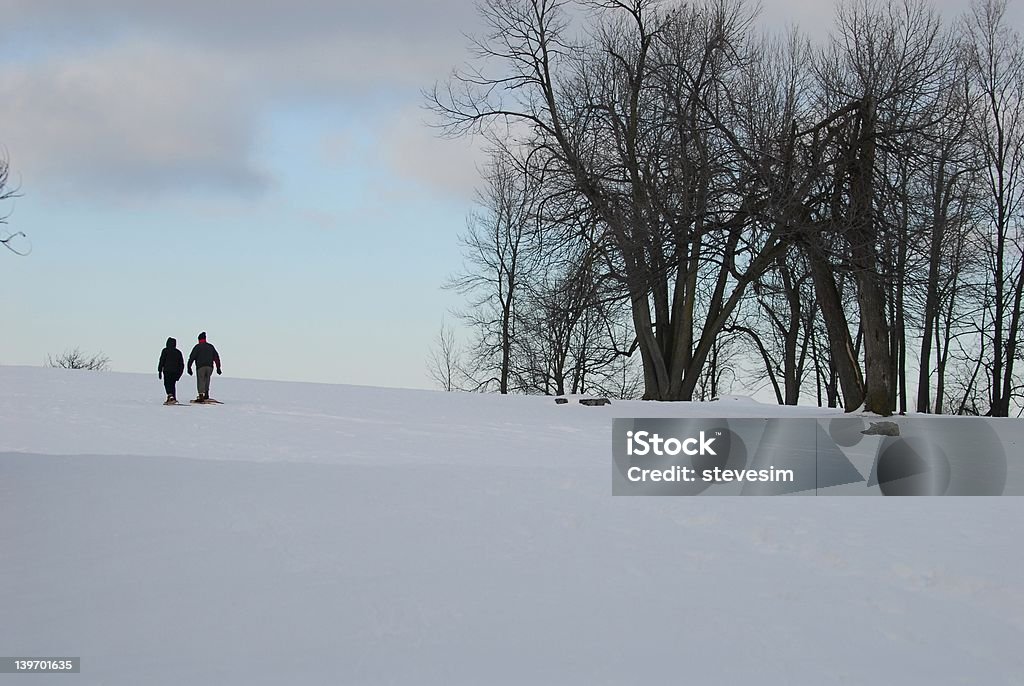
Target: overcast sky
[260,171]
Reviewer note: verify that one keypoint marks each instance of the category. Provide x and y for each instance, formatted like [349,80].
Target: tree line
[678,201]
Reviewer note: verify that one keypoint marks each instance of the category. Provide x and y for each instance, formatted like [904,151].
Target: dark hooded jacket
[171,364]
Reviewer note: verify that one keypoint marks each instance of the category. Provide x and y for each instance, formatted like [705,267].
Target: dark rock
[882,429]
[561,401]
[595,402]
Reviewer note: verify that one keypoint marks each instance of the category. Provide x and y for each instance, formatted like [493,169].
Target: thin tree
[444,361]
[496,250]
[997,71]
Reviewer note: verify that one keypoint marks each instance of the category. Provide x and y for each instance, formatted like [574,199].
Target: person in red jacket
[205,356]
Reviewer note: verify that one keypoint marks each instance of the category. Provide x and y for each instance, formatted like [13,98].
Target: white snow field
[314,534]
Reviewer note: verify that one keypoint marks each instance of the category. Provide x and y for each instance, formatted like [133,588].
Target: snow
[734,399]
[315,534]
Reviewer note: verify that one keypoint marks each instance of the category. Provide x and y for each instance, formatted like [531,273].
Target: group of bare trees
[540,320]
[671,185]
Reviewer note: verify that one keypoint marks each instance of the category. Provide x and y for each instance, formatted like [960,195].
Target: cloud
[156,98]
[138,117]
[416,152]
[270,23]
[817,18]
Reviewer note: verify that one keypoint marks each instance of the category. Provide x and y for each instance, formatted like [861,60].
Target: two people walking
[172,365]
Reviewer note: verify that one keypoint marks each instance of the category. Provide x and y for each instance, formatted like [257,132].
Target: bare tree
[879,82]
[625,120]
[949,196]
[779,326]
[9,240]
[496,249]
[444,363]
[997,71]
[74,358]
[719,375]
[573,335]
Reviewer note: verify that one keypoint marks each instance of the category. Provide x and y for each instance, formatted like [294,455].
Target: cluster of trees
[677,200]
[536,303]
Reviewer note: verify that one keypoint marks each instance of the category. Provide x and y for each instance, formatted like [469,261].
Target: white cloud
[415,151]
[139,116]
[165,97]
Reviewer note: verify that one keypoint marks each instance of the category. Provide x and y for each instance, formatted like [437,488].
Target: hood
[171,343]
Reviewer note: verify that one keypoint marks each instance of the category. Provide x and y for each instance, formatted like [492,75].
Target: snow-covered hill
[313,534]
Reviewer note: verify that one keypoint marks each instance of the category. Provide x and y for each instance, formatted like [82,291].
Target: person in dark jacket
[170,368]
[205,356]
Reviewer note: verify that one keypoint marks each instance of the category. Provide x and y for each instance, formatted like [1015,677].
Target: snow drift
[314,534]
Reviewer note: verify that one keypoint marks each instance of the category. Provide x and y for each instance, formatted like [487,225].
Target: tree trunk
[844,362]
[863,251]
